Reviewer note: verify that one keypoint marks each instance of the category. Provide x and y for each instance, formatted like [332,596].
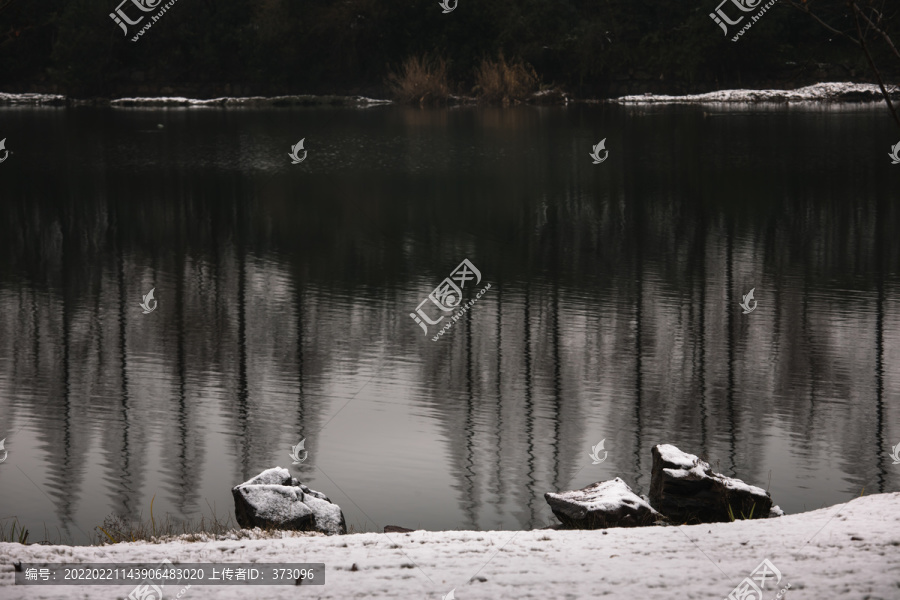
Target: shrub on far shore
[502,82]
[420,81]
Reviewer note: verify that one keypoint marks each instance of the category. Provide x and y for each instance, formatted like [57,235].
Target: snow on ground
[303,100]
[850,550]
[819,92]
[34,99]
[174,101]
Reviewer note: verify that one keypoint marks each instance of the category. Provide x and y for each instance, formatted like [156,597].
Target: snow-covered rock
[686,490]
[275,499]
[601,505]
[397,529]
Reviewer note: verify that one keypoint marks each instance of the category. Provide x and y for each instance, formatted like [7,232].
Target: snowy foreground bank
[850,550]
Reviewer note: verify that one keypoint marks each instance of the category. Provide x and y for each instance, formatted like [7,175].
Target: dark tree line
[586,47]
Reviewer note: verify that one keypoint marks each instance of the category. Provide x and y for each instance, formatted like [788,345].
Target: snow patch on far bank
[252,101]
[845,551]
[181,101]
[820,92]
[32,99]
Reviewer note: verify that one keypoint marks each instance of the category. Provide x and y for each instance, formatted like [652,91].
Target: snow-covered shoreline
[820,92]
[833,92]
[850,550]
[7,99]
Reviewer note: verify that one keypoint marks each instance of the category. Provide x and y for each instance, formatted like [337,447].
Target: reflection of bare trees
[613,313]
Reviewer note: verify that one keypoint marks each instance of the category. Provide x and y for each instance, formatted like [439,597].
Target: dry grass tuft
[117,529]
[13,535]
[420,81]
[501,82]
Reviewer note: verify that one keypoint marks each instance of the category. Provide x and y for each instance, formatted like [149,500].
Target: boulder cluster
[683,489]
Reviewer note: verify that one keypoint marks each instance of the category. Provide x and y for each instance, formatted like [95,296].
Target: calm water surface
[284,293]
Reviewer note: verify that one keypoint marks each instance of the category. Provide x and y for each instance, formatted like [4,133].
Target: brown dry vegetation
[502,82]
[424,81]
[420,81]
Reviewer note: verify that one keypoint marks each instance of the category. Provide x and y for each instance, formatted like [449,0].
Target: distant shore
[833,92]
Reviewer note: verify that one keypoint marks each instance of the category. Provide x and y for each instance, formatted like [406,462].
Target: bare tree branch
[881,32]
[862,40]
[805,8]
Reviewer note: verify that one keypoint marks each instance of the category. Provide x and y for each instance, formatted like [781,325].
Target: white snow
[831,91]
[813,93]
[691,465]
[276,502]
[328,515]
[273,476]
[246,101]
[697,471]
[31,98]
[162,101]
[674,456]
[850,550]
[605,495]
[737,484]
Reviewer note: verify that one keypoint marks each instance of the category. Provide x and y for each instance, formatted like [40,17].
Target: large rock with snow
[601,505]
[686,490]
[275,499]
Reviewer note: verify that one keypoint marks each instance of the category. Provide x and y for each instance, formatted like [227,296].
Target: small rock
[397,529]
[686,490]
[275,499]
[601,505]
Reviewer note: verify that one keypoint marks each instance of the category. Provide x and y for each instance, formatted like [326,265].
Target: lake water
[285,291]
